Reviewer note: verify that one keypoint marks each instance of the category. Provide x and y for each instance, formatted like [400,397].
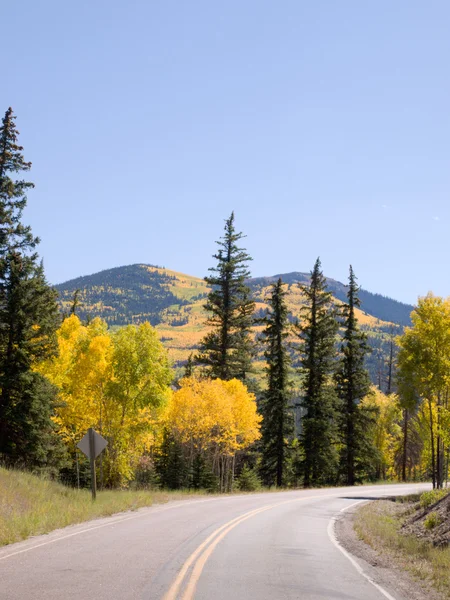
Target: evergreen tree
[317,330]
[189,366]
[352,385]
[75,302]
[170,464]
[277,425]
[226,351]
[28,322]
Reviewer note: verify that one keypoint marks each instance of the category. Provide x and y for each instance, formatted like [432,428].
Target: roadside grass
[378,524]
[31,505]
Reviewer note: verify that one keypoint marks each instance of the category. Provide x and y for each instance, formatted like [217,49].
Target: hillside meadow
[174,303]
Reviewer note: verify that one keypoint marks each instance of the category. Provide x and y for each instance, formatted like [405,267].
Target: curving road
[272,546]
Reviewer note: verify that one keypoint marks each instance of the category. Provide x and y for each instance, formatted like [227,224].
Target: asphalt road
[272,546]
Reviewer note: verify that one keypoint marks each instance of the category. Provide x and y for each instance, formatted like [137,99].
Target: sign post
[92,444]
[92,461]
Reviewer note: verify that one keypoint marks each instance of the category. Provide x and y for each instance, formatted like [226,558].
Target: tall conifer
[28,321]
[317,329]
[226,351]
[352,385]
[277,425]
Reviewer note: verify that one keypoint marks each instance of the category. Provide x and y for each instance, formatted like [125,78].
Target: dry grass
[378,524]
[30,505]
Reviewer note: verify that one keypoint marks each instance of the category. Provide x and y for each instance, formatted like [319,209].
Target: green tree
[277,425]
[317,330]
[353,385]
[170,463]
[226,351]
[28,322]
[189,366]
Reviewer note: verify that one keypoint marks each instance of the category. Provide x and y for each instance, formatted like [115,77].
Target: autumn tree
[410,445]
[226,351]
[382,433]
[117,383]
[352,386]
[277,424]
[81,372]
[317,330]
[28,321]
[214,419]
[424,368]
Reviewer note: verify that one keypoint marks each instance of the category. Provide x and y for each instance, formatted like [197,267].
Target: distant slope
[121,295]
[173,302]
[381,307]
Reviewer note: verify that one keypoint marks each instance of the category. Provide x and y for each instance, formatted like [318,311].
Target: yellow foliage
[386,431]
[214,414]
[116,383]
[424,369]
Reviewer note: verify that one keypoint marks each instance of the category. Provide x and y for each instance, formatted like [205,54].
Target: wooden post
[92,461]
[78,470]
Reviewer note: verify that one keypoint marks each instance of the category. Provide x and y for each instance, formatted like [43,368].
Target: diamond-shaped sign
[99,444]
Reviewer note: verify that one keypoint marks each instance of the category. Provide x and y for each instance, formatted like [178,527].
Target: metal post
[92,461]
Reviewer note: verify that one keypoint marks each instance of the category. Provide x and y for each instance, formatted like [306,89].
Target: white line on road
[333,538]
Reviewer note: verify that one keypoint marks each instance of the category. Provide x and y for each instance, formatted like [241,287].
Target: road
[270,546]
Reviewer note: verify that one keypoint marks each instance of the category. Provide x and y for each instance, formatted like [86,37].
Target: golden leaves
[214,413]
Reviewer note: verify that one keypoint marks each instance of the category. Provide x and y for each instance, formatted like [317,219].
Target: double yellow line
[199,557]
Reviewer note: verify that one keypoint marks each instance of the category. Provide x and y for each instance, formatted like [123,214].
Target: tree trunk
[391,360]
[232,472]
[350,446]
[405,443]
[433,455]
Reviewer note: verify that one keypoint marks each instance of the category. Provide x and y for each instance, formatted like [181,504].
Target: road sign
[99,444]
[92,444]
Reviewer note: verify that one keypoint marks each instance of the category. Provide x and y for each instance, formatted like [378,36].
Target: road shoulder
[381,568]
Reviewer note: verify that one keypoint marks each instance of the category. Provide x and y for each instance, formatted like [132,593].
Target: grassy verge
[30,505]
[378,524]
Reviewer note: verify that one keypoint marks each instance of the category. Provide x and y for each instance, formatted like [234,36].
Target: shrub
[248,480]
[431,497]
[432,520]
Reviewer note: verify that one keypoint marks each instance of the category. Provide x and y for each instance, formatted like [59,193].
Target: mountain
[173,303]
[381,307]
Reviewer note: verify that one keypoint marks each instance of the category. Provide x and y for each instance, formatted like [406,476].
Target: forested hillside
[381,307]
[174,303]
[122,295]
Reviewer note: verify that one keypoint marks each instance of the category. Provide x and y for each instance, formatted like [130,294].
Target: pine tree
[28,322]
[170,464]
[189,366]
[390,387]
[318,331]
[277,425]
[352,385]
[226,351]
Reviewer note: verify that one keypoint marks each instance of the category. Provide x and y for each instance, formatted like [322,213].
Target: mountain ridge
[173,302]
[378,305]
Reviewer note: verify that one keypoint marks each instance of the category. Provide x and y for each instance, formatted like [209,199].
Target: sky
[325,127]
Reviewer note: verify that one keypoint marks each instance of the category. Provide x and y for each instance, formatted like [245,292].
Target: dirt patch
[385,566]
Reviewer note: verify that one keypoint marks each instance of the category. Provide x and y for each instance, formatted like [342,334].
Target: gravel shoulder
[385,568]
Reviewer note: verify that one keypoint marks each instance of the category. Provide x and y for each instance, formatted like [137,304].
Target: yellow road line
[199,565]
[174,588]
[206,548]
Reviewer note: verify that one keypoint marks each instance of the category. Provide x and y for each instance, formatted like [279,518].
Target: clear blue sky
[324,125]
